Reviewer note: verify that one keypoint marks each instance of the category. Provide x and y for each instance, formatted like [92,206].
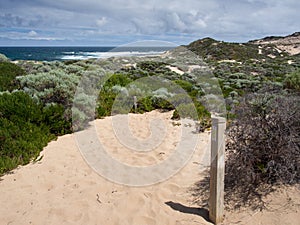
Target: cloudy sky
[115,22]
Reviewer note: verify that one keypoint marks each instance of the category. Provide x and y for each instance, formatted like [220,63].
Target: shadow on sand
[190,210]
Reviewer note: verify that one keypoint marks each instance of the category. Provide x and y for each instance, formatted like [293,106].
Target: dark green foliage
[145,105]
[8,73]
[161,103]
[71,62]
[152,66]
[292,80]
[19,106]
[148,68]
[107,95]
[117,79]
[150,103]
[20,142]
[23,132]
[187,86]
[215,50]
[56,120]
[105,103]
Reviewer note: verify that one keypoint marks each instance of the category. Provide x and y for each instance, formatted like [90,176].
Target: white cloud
[32,33]
[94,19]
[200,23]
[102,21]
[175,23]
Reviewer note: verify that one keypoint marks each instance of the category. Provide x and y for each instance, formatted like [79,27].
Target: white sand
[290,45]
[175,69]
[63,189]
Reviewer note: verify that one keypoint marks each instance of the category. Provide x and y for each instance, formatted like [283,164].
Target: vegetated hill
[266,48]
[212,50]
[249,66]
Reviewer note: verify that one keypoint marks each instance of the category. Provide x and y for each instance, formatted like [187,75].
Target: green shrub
[216,50]
[292,81]
[108,93]
[105,103]
[187,86]
[23,133]
[8,73]
[20,142]
[57,120]
[117,79]
[18,106]
[161,103]
[145,105]
[55,86]
[151,66]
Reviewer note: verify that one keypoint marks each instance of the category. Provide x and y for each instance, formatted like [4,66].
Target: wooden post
[217,166]
[135,103]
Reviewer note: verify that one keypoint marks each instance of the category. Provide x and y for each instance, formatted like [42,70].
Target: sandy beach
[62,188]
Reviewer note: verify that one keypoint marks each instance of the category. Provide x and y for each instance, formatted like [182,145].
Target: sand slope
[63,189]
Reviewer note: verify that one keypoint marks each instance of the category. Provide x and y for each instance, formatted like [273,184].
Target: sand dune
[63,189]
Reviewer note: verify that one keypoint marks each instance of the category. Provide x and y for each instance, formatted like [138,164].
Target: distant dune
[289,44]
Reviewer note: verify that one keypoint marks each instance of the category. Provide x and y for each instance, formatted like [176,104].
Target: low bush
[292,80]
[57,120]
[18,106]
[55,86]
[8,73]
[145,105]
[263,147]
[23,132]
[20,142]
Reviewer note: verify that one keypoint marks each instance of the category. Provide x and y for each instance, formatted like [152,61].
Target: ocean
[77,53]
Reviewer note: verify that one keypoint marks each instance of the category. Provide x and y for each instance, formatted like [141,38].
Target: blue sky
[116,22]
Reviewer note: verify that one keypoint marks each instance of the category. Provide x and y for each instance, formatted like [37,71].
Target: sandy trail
[63,189]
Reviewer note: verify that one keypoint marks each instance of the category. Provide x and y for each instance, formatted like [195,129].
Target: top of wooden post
[218,119]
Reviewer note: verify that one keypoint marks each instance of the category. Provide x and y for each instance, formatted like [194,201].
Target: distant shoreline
[77,53]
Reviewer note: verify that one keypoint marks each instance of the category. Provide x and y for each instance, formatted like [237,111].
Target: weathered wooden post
[135,103]
[217,170]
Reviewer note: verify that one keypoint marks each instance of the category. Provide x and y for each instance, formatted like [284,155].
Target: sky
[119,22]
